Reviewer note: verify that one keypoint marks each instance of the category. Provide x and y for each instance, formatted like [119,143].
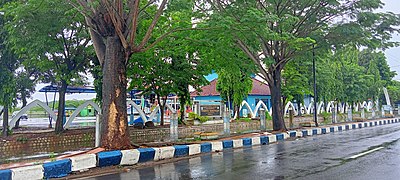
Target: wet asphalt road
[331,156]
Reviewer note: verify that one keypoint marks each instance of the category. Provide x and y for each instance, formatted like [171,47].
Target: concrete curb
[62,168]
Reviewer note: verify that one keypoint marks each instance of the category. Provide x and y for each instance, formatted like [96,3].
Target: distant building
[259,92]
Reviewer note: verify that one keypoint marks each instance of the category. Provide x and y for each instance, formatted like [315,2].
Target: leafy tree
[234,85]
[7,85]
[394,91]
[25,86]
[8,64]
[272,33]
[54,38]
[118,30]
[295,83]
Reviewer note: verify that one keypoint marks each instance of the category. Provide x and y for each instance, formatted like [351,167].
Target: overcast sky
[392,55]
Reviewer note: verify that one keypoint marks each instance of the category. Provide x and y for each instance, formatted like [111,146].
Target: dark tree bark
[182,108]
[274,82]
[5,121]
[115,122]
[162,107]
[61,107]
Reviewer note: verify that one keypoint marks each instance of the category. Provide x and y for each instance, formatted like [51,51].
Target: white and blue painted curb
[62,168]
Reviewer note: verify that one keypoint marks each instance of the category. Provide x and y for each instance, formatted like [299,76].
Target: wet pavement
[336,155]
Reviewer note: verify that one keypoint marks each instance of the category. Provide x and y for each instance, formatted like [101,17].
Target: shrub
[267,116]
[325,115]
[195,116]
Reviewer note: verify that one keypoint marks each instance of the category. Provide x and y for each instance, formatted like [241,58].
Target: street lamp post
[315,88]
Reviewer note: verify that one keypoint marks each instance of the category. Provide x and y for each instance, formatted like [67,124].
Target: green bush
[267,116]
[325,115]
[195,116]
[192,115]
[245,119]
[203,119]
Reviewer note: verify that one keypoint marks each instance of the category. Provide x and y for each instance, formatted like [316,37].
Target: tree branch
[135,10]
[152,25]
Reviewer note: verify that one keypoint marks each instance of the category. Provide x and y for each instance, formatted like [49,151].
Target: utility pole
[315,88]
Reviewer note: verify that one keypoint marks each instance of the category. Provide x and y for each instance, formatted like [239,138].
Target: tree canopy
[272,33]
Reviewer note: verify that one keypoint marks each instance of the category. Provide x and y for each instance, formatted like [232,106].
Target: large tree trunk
[274,82]
[5,120]
[115,134]
[61,107]
[182,104]
[162,107]
[23,97]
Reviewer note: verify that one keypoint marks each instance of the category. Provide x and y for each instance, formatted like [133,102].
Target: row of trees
[344,75]
[163,47]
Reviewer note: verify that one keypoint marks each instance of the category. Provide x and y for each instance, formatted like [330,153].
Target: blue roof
[70,89]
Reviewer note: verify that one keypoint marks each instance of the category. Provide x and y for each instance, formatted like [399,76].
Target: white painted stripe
[365,153]
[237,143]
[130,157]
[255,141]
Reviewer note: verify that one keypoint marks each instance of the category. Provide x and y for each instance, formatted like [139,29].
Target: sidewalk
[62,166]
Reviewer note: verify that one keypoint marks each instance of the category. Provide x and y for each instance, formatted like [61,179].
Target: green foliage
[273,33]
[295,81]
[267,116]
[245,119]
[234,86]
[195,116]
[326,115]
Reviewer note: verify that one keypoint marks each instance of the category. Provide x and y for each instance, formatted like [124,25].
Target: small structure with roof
[260,92]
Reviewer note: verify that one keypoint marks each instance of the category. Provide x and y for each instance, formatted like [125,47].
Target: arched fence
[70,119]
[321,107]
[253,112]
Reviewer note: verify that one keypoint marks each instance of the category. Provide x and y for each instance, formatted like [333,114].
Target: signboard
[210,110]
[387,107]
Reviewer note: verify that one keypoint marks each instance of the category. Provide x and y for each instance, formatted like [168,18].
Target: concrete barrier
[130,157]
[109,158]
[146,154]
[62,168]
[194,149]
[292,133]
[5,174]
[264,140]
[164,153]
[217,146]
[83,162]
[271,138]
[226,144]
[255,141]
[29,172]
[57,169]
[304,133]
[286,136]
[314,132]
[360,125]
[247,142]
[206,147]
[280,137]
[181,150]
[237,143]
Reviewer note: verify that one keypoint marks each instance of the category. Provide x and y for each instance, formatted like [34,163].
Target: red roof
[259,88]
